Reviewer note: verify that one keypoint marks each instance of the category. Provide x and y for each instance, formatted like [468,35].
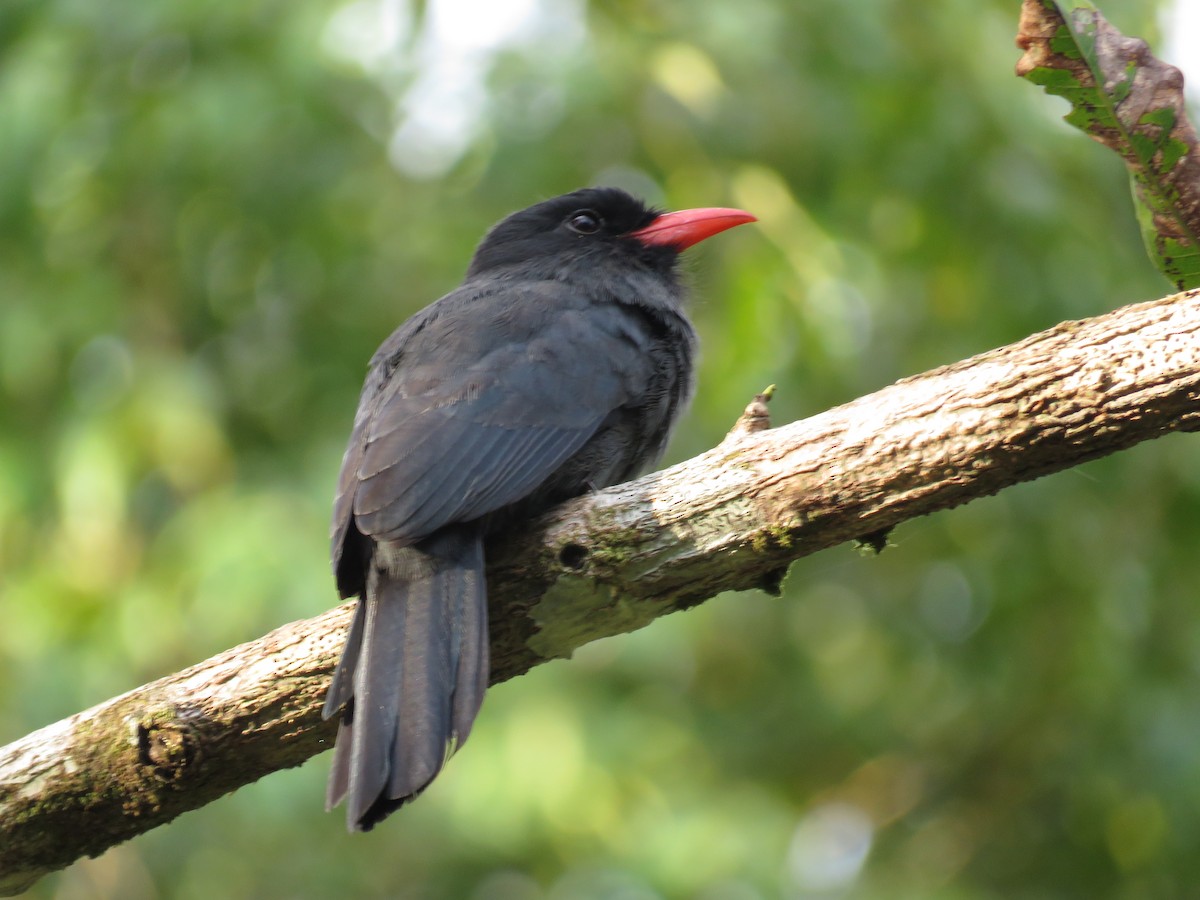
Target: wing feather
[436,443]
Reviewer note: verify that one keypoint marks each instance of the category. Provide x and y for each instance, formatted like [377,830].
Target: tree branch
[730,519]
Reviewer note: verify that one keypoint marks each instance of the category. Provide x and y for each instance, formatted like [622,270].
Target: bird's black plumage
[559,365]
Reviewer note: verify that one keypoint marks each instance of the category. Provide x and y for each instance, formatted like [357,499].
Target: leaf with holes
[1133,103]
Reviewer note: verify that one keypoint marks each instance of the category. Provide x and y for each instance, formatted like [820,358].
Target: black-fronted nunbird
[559,365]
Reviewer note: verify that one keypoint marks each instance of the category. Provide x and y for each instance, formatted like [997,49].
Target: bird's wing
[460,421]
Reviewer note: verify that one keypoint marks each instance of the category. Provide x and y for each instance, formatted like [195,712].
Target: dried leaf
[1132,103]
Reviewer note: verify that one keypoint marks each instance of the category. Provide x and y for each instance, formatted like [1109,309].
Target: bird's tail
[412,675]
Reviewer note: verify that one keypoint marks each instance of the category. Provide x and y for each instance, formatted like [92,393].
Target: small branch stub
[755,417]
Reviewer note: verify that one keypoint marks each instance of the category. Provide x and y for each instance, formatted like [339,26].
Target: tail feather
[473,662]
[420,724]
[419,671]
[341,689]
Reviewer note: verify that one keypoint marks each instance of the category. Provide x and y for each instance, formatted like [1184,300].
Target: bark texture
[730,519]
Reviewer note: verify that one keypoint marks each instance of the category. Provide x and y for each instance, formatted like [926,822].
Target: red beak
[682,229]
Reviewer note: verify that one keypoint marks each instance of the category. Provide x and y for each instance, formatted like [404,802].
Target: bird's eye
[585,221]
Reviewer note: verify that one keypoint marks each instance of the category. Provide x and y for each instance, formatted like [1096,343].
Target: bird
[558,366]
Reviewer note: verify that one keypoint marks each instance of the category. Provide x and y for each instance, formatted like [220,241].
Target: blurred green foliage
[211,214]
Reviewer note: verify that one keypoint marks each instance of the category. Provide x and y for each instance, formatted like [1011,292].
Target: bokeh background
[211,214]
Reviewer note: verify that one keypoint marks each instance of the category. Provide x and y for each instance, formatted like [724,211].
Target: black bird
[559,365]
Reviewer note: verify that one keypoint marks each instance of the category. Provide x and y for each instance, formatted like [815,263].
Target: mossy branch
[730,519]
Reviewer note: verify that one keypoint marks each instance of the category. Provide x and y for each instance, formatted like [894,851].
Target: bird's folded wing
[453,470]
[438,447]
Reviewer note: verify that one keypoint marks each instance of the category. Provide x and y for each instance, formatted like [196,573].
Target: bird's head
[594,224]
